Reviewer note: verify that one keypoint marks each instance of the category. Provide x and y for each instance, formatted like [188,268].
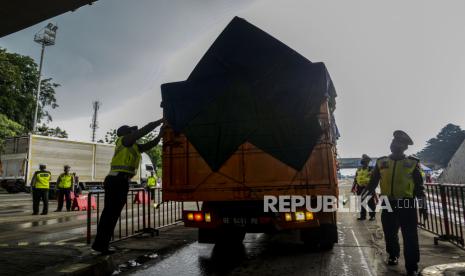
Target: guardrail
[446,203]
[144,212]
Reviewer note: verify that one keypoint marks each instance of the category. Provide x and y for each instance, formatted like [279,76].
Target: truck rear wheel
[207,235]
[230,236]
[323,237]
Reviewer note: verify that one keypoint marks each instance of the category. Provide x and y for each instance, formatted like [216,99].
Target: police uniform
[64,183]
[362,178]
[151,183]
[400,181]
[124,165]
[40,188]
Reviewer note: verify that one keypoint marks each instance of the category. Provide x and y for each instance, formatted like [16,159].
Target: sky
[395,64]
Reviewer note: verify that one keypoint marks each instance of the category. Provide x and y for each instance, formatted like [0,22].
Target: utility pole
[45,37]
[94,124]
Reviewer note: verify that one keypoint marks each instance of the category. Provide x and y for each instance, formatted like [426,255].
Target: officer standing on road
[401,181]
[124,165]
[361,180]
[151,183]
[65,183]
[40,184]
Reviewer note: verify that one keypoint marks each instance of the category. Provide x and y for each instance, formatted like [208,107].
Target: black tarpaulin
[249,87]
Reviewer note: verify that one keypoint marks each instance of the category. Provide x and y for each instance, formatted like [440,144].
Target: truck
[254,120]
[90,161]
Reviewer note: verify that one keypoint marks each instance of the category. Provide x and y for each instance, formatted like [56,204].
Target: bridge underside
[20,14]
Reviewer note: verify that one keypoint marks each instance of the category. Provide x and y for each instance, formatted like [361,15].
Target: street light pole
[38,88]
[45,37]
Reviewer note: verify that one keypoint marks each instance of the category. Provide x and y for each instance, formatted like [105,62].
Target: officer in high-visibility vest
[124,166]
[400,181]
[40,184]
[361,180]
[65,184]
[151,181]
[151,184]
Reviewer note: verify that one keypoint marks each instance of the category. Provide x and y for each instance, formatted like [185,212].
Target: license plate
[240,220]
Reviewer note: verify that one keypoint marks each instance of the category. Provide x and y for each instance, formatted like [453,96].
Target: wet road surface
[356,254]
[19,227]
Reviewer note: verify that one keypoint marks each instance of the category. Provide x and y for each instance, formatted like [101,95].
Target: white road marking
[23,243]
[44,243]
[362,256]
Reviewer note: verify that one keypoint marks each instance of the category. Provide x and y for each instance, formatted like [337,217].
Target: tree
[54,132]
[110,137]
[8,128]
[439,150]
[18,87]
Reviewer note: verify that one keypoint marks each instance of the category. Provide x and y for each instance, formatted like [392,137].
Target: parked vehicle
[90,161]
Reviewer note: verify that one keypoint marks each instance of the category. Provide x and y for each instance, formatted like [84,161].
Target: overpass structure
[352,163]
[20,14]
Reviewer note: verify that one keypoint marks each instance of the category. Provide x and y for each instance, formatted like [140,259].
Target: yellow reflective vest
[65,181]
[125,159]
[363,176]
[397,177]
[42,180]
[151,181]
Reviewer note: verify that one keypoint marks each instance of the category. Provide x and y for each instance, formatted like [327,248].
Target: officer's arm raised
[131,139]
[147,146]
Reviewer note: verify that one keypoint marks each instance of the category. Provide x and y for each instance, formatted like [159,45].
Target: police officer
[124,165]
[40,184]
[151,183]
[65,183]
[400,180]
[361,180]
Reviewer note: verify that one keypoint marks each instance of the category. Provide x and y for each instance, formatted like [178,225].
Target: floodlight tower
[45,37]
[94,124]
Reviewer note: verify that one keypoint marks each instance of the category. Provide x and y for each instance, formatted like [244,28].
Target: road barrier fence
[144,212]
[446,214]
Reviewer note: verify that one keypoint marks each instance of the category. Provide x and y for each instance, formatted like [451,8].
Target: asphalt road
[19,227]
[360,251]
[356,254]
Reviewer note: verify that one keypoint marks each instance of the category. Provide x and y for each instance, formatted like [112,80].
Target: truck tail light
[287,217]
[299,216]
[208,218]
[308,216]
[198,217]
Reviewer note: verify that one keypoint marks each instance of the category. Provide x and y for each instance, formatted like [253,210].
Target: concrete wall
[455,170]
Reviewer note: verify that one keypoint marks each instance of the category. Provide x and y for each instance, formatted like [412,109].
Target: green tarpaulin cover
[250,87]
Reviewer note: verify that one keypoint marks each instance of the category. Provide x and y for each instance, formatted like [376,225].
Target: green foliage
[54,132]
[439,150]
[8,128]
[18,84]
[154,153]
[110,137]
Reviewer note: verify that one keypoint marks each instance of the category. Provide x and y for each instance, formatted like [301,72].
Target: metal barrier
[446,218]
[144,212]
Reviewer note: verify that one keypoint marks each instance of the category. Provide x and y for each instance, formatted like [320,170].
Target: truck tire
[230,236]
[329,236]
[207,235]
[322,238]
